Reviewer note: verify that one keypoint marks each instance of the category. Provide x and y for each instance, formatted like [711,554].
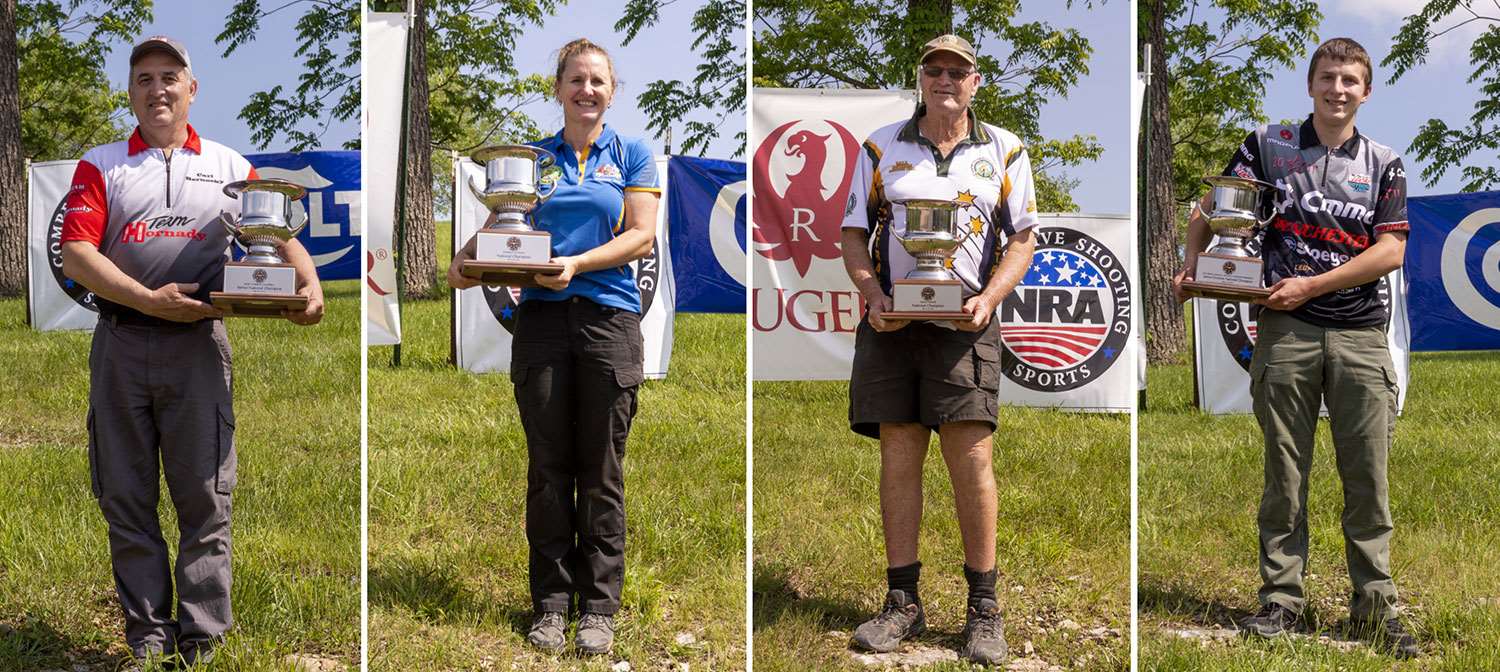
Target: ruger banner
[384,35]
[53,301]
[803,307]
[1224,340]
[1453,271]
[484,318]
[706,214]
[332,206]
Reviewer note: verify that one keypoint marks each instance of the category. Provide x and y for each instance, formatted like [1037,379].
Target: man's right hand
[172,302]
[877,306]
[456,279]
[1182,276]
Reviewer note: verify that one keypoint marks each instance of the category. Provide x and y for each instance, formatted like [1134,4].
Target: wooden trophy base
[256,305]
[1209,290]
[1227,278]
[930,300]
[508,273]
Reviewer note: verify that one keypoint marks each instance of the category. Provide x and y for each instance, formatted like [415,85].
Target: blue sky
[225,84]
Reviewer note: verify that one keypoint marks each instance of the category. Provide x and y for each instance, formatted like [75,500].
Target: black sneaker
[1388,635]
[1272,620]
[596,634]
[549,631]
[984,635]
[900,618]
[199,650]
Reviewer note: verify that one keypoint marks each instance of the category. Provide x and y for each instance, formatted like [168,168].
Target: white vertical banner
[1224,335]
[803,308]
[1069,328]
[53,301]
[484,318]
[384,35]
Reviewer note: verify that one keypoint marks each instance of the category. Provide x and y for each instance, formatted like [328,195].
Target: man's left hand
[313,313]
[981,308]
[560,281]
[1290,293]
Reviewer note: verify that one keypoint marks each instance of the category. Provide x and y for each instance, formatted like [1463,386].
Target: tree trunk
[419,253]
[1166,337]
[12,163]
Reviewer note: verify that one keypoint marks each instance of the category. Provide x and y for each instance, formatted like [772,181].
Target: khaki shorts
[923,373]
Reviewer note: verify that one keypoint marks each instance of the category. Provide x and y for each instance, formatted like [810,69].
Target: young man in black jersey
[1339,227]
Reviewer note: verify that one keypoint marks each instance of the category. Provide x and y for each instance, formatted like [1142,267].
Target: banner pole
[453,244]
[1143,247]
[400,223]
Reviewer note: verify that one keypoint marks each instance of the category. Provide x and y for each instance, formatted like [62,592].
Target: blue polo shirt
[588,210]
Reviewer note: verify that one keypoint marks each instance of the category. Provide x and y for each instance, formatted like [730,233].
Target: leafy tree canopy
[719,83]
[873,44]
[1438,145]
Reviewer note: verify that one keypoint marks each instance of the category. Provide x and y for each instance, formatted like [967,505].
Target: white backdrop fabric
[384,35]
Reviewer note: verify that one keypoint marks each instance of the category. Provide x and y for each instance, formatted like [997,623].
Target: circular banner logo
[1068,320]
[80,294]
[1475,297]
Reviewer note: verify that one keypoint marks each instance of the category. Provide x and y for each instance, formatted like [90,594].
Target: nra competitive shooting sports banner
[384,35]
[485,317]
[1453,271]
[53,301]
[331,206]
[706,216]
[1224,339]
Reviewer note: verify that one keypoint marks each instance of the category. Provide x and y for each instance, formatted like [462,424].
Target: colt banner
[1453,271]
[53,301]
[1224,340]
[384,35]
[706,215]
[331,205]
[484,318]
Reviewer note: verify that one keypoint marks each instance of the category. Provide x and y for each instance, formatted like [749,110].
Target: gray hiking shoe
[1271,621]
[900,618]
[596,634]
[1387,635]
[984,635]
[549,631]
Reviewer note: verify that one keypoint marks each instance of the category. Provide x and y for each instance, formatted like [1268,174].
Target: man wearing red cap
[143,232]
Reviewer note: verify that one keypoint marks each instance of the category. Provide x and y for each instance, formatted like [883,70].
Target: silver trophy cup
[508,251]
[262,284]
[933,234]
[1228,270]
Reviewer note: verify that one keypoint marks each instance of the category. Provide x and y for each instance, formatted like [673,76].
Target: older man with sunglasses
[912,378]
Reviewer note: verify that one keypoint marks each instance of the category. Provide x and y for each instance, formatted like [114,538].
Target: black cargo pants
[159,394]
[576,365]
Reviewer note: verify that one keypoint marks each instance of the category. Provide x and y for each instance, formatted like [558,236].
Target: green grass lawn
[448,584]
[296,508]
[1063,543]
[1200,483]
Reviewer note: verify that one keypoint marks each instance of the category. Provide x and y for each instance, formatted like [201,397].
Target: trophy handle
[300,225]
[478,194]
[544,160]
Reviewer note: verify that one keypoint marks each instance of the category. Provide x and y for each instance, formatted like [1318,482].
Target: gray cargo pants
[1296,368]
[162,393]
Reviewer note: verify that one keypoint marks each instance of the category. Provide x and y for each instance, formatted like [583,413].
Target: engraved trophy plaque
[261,284]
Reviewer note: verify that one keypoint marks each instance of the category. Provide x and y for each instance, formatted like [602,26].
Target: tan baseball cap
[161,43]
[951,43]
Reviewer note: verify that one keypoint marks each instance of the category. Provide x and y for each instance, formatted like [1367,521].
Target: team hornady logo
[802,175]
[80,294]
[503,301]
[163,226]
[1068,320]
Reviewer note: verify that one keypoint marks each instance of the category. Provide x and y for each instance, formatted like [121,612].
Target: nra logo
[1068,320]
[803,171]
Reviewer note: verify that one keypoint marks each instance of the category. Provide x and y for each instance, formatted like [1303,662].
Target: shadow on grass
[33,644]
[777,598]
[1177,602]
[432,591]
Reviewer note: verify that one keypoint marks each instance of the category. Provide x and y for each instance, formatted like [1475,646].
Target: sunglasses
[955,74]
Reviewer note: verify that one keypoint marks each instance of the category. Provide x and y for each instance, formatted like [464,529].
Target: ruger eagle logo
[1068,320]
[802,174]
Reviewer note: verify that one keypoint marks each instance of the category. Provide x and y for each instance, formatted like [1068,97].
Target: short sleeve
[640,168]
[1390,207]
[87,210]
[1018,192]
[1246,161]
[861,183]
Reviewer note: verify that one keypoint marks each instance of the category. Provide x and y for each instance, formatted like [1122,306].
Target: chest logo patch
[900,167]
[608,172]
[1358,182]
[982,169]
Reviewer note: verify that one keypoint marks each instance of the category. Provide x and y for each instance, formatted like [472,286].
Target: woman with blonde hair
[577,356]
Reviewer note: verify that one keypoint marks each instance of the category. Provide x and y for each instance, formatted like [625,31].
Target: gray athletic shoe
[596,634]
[984,635]
[1387,635]
[900,618]
[549,631]
[1272,620]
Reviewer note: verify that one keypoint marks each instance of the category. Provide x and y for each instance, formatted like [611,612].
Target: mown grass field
[448,583]
[1063,543]
[1200,484]
[296,508]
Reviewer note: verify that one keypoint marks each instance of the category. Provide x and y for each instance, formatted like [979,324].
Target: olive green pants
[1297,367]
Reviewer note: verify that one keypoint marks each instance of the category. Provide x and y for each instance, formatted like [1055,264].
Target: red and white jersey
[156,218]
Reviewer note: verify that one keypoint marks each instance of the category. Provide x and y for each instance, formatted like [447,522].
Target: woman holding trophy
[578,353]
